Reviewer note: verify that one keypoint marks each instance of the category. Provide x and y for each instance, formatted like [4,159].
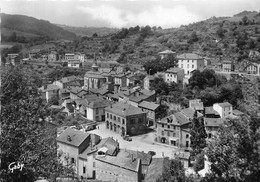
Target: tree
[193,37]
[198,135]
[235,152]
[245,20]
[26,136]
[220,32]
[160,86]
[95,35]
[173,171]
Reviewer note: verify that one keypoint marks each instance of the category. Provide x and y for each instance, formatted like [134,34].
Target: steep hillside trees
[26,135]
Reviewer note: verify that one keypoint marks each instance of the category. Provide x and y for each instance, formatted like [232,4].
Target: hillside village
[122,110]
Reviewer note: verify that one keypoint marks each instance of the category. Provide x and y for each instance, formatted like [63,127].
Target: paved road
[141,143]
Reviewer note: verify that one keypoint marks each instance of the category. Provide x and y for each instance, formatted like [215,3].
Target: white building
[166,53]
[174,75]
[190,62]
[224,109]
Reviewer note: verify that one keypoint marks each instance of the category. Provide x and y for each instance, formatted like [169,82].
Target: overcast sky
[126,13]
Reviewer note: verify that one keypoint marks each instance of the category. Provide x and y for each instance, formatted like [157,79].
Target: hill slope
[33,26]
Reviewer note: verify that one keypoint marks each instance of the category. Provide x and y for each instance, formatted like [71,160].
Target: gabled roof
[210,110]
[224,104]
[126,163]
[149,105]
[100,103]
[215,122]
[237,112]
[69,79]
[167,52]
[174,70]
[188,112]
[124,109]
[49,87]
[171,119]
[190,56]
[72,137]
[110,144]
[181,118]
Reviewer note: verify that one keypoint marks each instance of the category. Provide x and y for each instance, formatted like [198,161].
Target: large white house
[224,109]
[190,62]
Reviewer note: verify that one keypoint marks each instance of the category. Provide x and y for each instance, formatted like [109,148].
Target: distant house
[253,68]
[152,109]
[174,75]
[212,126]
[224,109]
[34,53]
[148,80]
[49,91]
[13,59]
[197,105]
[94,79]
[53,56]
[166,53]
[75,63]
[119,81]
[69,82]
[125,119]
[228,66]
[190,62]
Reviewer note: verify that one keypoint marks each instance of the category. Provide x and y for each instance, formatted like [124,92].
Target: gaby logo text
[15,165]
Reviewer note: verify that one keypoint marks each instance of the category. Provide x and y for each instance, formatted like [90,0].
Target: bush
[199,162]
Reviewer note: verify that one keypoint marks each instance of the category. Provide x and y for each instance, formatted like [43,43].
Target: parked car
[127,138]
[152,153]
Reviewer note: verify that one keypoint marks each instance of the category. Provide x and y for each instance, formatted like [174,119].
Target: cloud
[155,16]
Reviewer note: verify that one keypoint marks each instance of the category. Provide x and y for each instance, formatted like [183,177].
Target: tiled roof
[149,77]
[155,169]
[139,98]
[174,70]
[94,74]
[99,91]
[147,92]
[124,109]
[167,52]
[188,112]
[181,118]
[126,163]
[170,119]
[196,104]
[72,137]
[149,105]
[224,104]
[237,112]
[145,157]
[69,79]
[100,103]
[210,110]
[213,121]
[190,56]
[50,87]
[110,144]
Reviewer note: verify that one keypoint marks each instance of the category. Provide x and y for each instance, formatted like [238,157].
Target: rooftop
[190,56]
[167,52]
[210,110]
[224,104]
[110,144]
[237,112]
[215,122]
[49,87]
[121,162]
[149,105]
[155,169]
[174,70]
[100,103]
[145,157]
[124,109]
[188,112]
[72,137]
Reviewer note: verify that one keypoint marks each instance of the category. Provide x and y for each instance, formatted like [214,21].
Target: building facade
[190,62]
[174,75]
[125,119]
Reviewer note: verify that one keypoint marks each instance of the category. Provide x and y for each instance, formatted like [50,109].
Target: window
[72,160]
[192,61]
[187,66]
[174,127]
[162,125]
[162,133]
[132,121]
[187,143]
[114,118]
[110,116]
[84,170]
[192,66]
[188,72]
[94,164]
[209,135]
[118,119]
[168,133]
[173,143]
[123,121]
[181,65]
[97,118]
[187,135]
[107,115]
[140,120]
[168,126]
